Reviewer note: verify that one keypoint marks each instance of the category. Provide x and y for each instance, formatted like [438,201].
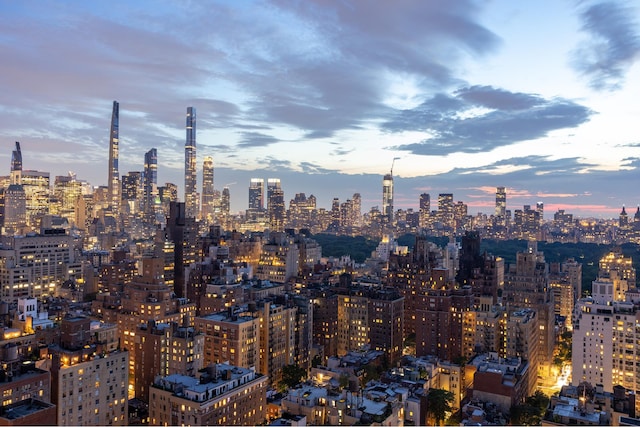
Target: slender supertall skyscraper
[150,184]
[190,193]
[114,175]
[208,199]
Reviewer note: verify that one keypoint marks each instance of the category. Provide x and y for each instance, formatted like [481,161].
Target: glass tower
[114,175]
[190,193]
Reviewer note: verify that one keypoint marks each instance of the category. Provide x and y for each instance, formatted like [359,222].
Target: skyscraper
[150,184]
[256,194]
[275,204]
[190,193]
[16,165]
[387,198]
[501,204]
[425,209]
[114,175]
[445,209]
[208,198]
[225,201]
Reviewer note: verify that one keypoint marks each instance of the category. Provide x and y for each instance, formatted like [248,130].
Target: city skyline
[468,96]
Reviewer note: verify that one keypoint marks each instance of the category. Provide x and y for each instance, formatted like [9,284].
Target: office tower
[256,194]
[387,198]
[16,165]
[540,210]
[208,199]
[131,189]
[425,209]
[275,204]
[501,205]
[114,175]
[445,210]
[37,192]
[150,184]
[225,201]
[36,265]
[15,210]
[222,395]
[67,190]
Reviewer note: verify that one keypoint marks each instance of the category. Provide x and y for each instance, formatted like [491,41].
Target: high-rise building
[153,359]
[223,395]
[445,209]
[275,204]
[15,210]
[225,201]
[387,198]
[190,189]
[131,185]
[526,285]
[540,210]
[256,194]
[16,165]
[182,230]
[230,337]
[67,190]
[37,190]
[168,193]
[114,175]
[208,199]
[425,209]
[36,265]
[150,184]
[501,205]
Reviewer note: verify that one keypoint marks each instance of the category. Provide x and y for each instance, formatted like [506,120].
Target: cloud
[255,139]
[481,118]
[613,44]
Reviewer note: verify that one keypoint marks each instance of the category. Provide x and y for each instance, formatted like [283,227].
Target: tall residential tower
[208,197]
[150,184]
[114,175]
[190,193]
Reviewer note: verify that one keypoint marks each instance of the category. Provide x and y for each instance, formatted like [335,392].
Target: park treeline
[588,254]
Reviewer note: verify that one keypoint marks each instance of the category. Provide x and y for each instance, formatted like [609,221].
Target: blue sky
[540,97]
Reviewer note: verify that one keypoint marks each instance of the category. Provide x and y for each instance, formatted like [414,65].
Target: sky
[538,96]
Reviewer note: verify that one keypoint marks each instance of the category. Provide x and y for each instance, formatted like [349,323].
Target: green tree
[291,376]
[343,381]
[439,403]
[532,411]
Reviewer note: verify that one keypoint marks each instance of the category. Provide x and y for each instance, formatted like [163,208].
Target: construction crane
[392,162]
